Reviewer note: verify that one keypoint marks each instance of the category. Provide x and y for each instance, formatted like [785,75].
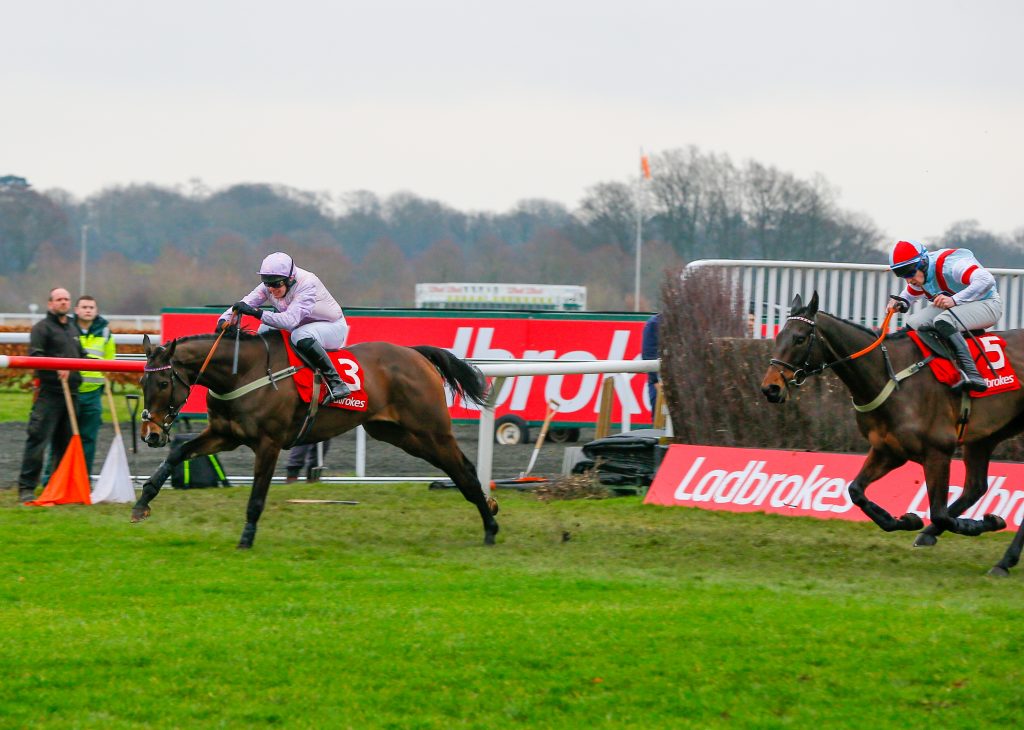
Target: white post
[81,272]
[485,435]
[360,451]
[639,234]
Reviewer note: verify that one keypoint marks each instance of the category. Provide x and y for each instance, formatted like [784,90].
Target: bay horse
[405,406]
[916,422]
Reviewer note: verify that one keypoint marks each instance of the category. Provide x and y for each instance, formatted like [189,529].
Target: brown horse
[406,407]
[916,422]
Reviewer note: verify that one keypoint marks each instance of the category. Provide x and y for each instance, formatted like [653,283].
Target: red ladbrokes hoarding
[814,484]
[489,336]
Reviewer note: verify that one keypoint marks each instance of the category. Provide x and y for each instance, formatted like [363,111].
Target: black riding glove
[223,324]
[244,308]
[902,305]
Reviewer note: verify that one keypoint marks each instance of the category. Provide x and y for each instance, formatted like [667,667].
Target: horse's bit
[172,410]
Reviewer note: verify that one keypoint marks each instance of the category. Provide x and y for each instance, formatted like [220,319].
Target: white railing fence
[857,292]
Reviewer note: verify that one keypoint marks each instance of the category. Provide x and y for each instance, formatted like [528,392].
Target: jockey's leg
[971,378]
[312,341]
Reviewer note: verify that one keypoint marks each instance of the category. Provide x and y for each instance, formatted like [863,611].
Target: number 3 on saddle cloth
[348,368]
[1003,379]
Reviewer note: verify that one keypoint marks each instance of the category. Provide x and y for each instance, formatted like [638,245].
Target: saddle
[943,366]
[348,368]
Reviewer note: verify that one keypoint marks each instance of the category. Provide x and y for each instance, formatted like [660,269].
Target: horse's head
[164,392]
[791,356]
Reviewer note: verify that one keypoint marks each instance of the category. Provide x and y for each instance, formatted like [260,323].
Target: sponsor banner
[502,337]
[813,484]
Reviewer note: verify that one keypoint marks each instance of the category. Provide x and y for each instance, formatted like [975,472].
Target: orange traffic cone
[69,483]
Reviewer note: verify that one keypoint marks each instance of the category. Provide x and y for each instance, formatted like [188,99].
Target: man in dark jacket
[649,351]
[49,422]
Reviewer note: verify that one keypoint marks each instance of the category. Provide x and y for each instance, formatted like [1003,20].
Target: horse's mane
[209,336]
[898,334]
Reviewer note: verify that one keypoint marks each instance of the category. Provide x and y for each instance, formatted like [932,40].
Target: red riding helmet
[908,257]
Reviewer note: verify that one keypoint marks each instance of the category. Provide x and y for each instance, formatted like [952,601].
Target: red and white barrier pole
[71,363]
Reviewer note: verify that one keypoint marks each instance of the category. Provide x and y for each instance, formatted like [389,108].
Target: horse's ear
[170,349]
[797,303]
[147,346]
[812,306]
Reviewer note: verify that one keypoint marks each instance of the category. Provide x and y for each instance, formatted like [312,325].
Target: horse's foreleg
[204,443]
[936,473]
[1011,557]
[976,461]
[876,466]
[263,471]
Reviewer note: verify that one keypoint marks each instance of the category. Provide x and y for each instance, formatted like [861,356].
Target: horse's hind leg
[976,461]
[205,443]
[263,471]
[1011,557]
[442,450]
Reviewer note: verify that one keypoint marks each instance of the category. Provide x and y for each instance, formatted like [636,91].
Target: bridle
[801,373]
[173,411]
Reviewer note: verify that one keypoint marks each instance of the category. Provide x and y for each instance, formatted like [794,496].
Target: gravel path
[381,459]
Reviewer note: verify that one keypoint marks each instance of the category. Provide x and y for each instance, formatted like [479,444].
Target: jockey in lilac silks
[948,278]
[304,308]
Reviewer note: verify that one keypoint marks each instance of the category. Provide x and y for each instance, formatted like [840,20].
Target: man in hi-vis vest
[97,341]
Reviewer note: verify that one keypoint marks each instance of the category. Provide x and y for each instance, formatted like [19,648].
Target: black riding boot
[971,379]
[336,389]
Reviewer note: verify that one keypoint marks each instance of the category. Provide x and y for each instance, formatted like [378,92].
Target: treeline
[149,246]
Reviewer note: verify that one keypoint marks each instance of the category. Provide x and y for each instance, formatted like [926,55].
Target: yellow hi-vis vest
[101,347]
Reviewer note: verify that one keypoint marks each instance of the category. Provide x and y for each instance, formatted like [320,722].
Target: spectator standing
[303,458]
[98,342]
[49,422]
[649,351]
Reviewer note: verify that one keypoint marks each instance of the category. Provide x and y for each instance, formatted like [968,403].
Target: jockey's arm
[981,283]
[298,308]
[255,298]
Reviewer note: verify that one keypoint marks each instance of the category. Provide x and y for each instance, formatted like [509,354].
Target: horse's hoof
[994,523]
[488,539]
[925,540]
[911,522]
[998,571]
[492,505]
[138,515]
[244,546]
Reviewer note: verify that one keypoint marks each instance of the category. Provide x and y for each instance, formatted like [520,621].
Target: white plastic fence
[857,292]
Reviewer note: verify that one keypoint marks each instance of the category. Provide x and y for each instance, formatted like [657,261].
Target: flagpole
[639,233]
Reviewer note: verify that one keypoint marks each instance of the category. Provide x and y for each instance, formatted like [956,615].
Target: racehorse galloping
[406,407]
[917,422]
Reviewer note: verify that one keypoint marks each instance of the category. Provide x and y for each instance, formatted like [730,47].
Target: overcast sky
[913,110]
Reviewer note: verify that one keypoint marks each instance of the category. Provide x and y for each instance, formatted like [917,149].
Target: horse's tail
[463,378]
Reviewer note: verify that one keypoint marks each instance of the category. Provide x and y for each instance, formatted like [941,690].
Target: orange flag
[645,166]
[69,483]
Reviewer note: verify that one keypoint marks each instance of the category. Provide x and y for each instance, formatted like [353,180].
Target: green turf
[587,614]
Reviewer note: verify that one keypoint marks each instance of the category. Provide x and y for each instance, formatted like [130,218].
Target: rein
[174,411]
[801,373]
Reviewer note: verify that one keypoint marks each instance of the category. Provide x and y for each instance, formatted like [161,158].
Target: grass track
[391,614]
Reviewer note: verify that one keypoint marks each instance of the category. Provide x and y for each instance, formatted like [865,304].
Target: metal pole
[81,272]
[639,234]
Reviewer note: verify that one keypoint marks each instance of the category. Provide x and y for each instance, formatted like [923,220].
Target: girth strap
[257,384]
[894,381]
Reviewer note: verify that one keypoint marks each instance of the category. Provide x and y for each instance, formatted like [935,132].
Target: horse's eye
[163,384]
[800,339]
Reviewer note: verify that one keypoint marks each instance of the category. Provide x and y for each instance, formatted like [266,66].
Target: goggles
[274,280]
[903,272]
